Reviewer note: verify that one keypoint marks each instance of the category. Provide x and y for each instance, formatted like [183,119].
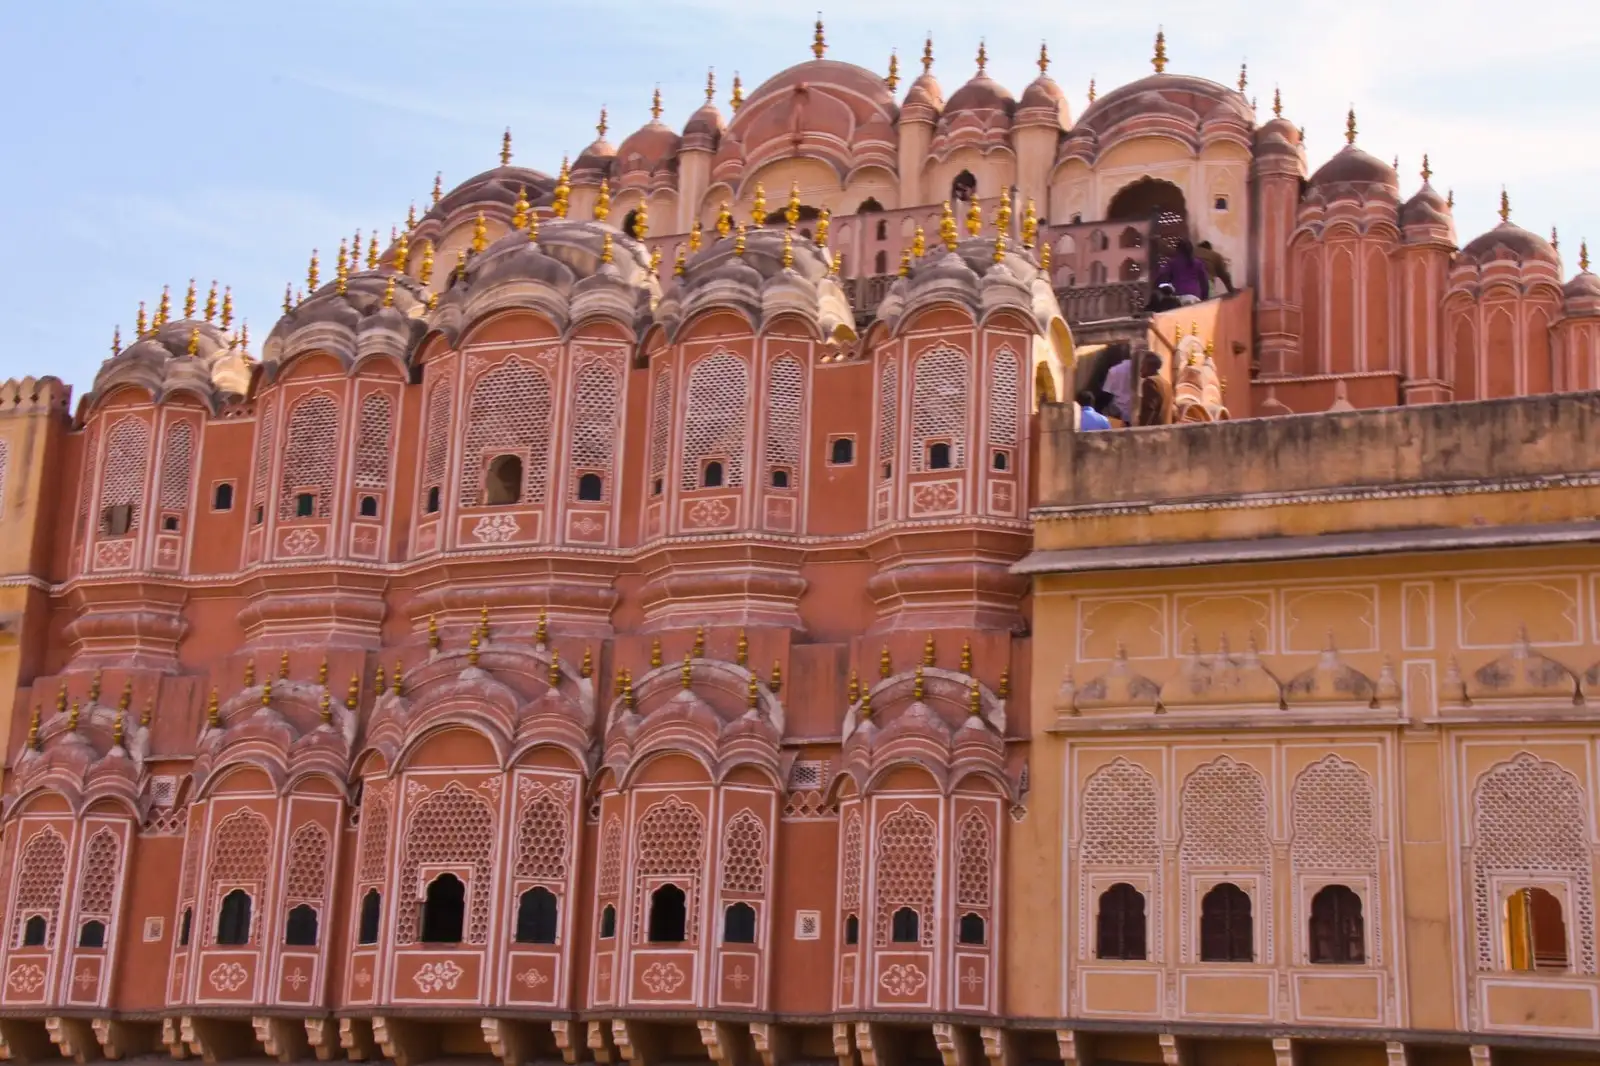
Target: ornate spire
[244,339]
[213,712]
[758,207]
[411,216]
[788,249]
[505,148]
[655,105]
[711,85]
[1427,171]
[929,652]
[885,667]
[738,242]
[1092,93]
[1583,255]
[555,668]
[686,673]
[1159,59]
[388,292]
[983,56]
[927,54]
[966,657]
[974,699]
[791,212]
[917,689]
[1555,239]
[605,248]
[372,251]
[694,236]
[893,80]
[402,252]
[680,264]
[211,301]
[480,233]
[905,263]
[139,323]
[947,227]
[1244,76]
[1000,246]
[1350,126]
[563,189]
[1044,257]
[164,308]
[919,244]
[189,301]
[1505,206]
[341,272]
[736,101]
[1044,59]
[601,126]
[1277,102]
[227,306]
[288,298]
[427,262]
[724,220]
[1450,199]
[1002,214]
[641,220]
[974,215]
[655,261]
[438,189]
[1030,225]
[819,46]
[116,341]
[519,212]
[194,342]
[586,668]
[821,237]
[602,203]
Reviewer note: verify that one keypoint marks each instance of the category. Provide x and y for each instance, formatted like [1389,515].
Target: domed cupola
[704,129]
[595,161]
[979,112]
[1582,294]
[375,311]
[924,100]
[1354,174]
[1278,136]
[497,190]
[1427,215]
[1509,242]
[648,152]
[1043,103]
[190,354]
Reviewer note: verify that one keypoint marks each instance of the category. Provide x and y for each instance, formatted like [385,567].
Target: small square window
[655,487]
[1002,461]
[780,479]
[1220,203]
[260,515]
[841,451]
[939,456]
[369,507]
[433,500]
[305,505]
[222,496]
[169,523]
[711,477]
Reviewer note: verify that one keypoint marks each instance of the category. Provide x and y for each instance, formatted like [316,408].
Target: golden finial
[893,80]
[164,308]
[679,265]
[983,56]
[788,249]
[686,675]
[724,220]
[694,236]
[1277,102]
[1427,171]
[791,213]
[1244,76]
[1044,59]
[402,253]
[322,672]
[380,681]
[823,218]
[126,699]
[736,101]
[33,729]
[394,683]
[563,189]
[194,341]
[1555,239]
[655,652]
[72,718]
[266,692]
[836,264]
[213,712]
[711,84]
[61,699]
[974,215]
[655,261]
[433,301]
[189,300]
[555,667]
[438,187]
[741,649]
[602,203]
[627,689]
[140,325]
[758,206]
[342,262]
[866,705]
[211,301]
[777,676]
[325,709]
[853,692]
[885,667]
[505,148]
[480,233]
[372,251]
[928,651]
[927,54]
[473,644]
[1505,205]
[655,105]
[1450,199]
[999,247]
[299,297]
[427,262]
[149,710]
[411,215]
[519,211]
[947,227]
[116,341]
[1030,225]
[641,221]
[738,241]
[1002,214]
[388,292]
[1350,126]
[1159,60]
[700,642]
[586,668]
[541,629]
[227,306]
[533,225]
[313,275]
[433,632]
[1004,691]
[966,656]
[461,263]
[1583,255]
[94,687]
[974,698]
[905,263]
[919,244]
[917,689]
[753,693]
[818,45]
[249,672]
[283,666]
[605,248]
[601,126]
[1092,93]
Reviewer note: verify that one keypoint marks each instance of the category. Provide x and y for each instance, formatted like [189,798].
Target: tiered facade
[567,641]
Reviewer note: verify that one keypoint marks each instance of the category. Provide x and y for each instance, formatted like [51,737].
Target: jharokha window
[1226,933]
[1338,934]
[1120,926]
[1535,931]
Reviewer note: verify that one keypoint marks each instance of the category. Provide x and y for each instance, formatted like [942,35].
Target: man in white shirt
[1119,384]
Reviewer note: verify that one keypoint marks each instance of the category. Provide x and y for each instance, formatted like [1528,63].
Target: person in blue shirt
[1088,417]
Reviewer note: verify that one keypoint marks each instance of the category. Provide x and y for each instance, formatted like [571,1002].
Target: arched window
[1131,270]
[905,926]
[852,930]
[502,483]
[1120,928]
[869,204]
[185,927]
[536,916]
[305,505]
[668,915]
[972,929]
[1536,931]
[443,910]
[301,928]
[371,911]
[882,231]
[92,935]
[939,456]
[712,478]
[739,924]
[222,499]
[629,220]
[780,479]
[1337,930]
[842,452]
[1226,933]
[964,187]
[880,263]
[33,932]
[590,488]
[1130,238]
[433,500]
[369,507]
[233,918]
[608,922]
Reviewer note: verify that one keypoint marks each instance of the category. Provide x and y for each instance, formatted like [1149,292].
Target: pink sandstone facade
[596,626]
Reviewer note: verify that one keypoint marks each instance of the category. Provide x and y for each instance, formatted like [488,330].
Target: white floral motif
[533,978]
[297,979]
[113,555]
[437,976]
[585,525]
[228,977]
[26,978]
[710,513]
[495,529]
[937,497]
[660,977]
[903,980]
[83,980]
[363,978]
[302,541]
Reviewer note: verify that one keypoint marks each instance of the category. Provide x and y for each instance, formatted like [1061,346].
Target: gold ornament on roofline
[893,80]
[505,148]
[1159,60]
[602,203]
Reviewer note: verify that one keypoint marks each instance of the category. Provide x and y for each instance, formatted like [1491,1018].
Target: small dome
[1585,286]
[1042,92]
[704,125]
[1508,240]
[594,162]
[1426,208]
[502,185]
[1278,136]
[647,148]
[925,92]
[982,93]
[1352,166]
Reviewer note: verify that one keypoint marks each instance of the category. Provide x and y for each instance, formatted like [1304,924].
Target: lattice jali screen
[373,449]
[310,454]
[127,460]
[611,858]
[542,837]
[97,880]
[851,867]
[1530,819]
[509,414]
[744,855]
[449,826]
[939,391]
[193,841]
[374,842]
[1224,819]
[241,849]
[41,877]
[1120,817]
[91,472]
[670,841]
[1334,820]
[908,844]
[308,864]
[595,395]
[1003,398]
[261,469]
[436,450]
[888,417]
[660,423]
[177,460]
[974,861]
[5,462]
[785,395]
[716,423]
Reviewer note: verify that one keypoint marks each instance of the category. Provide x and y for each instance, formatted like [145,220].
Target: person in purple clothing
[1186,273]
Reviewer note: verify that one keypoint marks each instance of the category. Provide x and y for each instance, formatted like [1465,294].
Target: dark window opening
[964,187]
[233,918]
[33,932]
[1120,926]
[842,452]
[222,498]
[1226,934]
[852,930]
[371,911]
[590,488]
[608,922]
[185,927]
[118,519]
[883,230]
[92,935]
[503,481]
[300,930]
[1001,460]
[443,910]
[1337,931]
[259,516]
[972,930]
[1220,203]
[536,916]
[939,456]
[905,926]
[780,479]
[888,471]
[739,924]
[668,915]
[629,221]
[869,204]
[170,523]
[712,477]
[369,507]
[1536,931]
[655,487]
[305,505]
[433,500]
[880,263]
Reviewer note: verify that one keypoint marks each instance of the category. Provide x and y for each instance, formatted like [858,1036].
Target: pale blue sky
[149,141]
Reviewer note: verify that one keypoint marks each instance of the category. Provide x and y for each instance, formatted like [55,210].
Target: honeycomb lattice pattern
[1225,816]
[262,468]
[908,846]
[310,455]
[670,842]
[372,445]
[193,840]
[851,865]
[888,417]
[611,858]
[509,415]
[436,452]
[785,389]
[974,861]
[127,460]
[308,864]
[241,847]
[177,459]
[1530,819]
[660,423]
[1003,398]
[1120,817]
[97,880]
[374,842]
[1334,818]
[542,837]
[91,471]
[5,456]
[744,855]
[41,876]
[450,826]
[717,419]
[595,395]
[939,405]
